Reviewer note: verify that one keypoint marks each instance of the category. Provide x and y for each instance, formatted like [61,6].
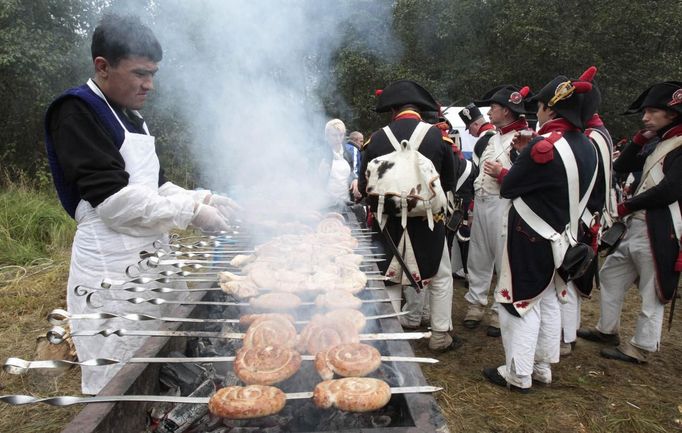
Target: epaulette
[542,151]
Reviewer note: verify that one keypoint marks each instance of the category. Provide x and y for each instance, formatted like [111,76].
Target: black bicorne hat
[513,97]
[666,95]
[405,92]
[593,98]
[470,114]
[570,99]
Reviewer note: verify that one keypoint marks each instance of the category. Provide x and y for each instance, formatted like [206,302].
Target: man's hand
[492,168]
[354,188]
[209,219]
[521,139]
[225,205]
[643,136]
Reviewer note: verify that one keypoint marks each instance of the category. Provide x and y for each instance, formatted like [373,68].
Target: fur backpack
[407,178]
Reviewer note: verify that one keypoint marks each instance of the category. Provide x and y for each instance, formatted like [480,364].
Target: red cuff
[639,139]
[503,173]
[623,209]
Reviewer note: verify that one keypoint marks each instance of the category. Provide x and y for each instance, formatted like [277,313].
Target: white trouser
[632,258]
[456,258]
[485,247]
[531,342]
[438,294]
[570,314]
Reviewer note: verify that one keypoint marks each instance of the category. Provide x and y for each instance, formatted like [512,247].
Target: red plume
[378,92]
[589,74]
[525,90]
[582,86]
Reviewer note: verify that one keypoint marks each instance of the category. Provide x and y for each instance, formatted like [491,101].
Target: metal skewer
[108,283]
[18,366]
[59,317]
[160,301]
[86,290]
[70,400]
[57,334]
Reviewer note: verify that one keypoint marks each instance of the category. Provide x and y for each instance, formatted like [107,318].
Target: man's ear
[102,66]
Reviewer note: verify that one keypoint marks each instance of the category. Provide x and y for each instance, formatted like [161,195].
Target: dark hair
[117,37]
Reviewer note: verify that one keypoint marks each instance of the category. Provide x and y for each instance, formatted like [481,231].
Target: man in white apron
[650,249]
[107,175]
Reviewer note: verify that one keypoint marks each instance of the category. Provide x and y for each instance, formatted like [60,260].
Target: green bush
[33,226]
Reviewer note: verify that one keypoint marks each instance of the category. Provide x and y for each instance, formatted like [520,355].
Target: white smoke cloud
[246,74]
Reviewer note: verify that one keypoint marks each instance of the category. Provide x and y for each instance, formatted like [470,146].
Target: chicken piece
[266,365]
[352,316]
[224,277]
[351,281]
[241,260]
[276,301]
[352,261]
[290,281]
[335,299]
[321,281]
[241,289]
[263,276]
[244,402]
[322,333]
[352,394]
[347,360]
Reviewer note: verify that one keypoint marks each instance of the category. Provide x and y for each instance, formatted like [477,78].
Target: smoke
[247,76]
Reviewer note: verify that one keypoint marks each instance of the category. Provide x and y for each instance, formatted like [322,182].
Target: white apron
[98,252]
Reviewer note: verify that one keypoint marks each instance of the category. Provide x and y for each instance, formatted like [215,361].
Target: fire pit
[404,413]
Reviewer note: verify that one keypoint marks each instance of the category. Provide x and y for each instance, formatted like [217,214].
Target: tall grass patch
[33,226]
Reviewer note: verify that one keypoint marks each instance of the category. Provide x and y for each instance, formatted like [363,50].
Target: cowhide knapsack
[406,177]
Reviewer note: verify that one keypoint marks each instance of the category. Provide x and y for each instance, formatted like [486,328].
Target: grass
[589,393]
[35,238]
[33,227]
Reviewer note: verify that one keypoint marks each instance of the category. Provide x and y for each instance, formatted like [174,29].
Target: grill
[417,412]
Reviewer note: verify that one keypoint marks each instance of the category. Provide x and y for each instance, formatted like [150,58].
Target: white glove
[208,218]
[225,205]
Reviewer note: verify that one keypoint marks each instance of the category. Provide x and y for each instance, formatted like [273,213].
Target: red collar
[672,132]
[485,127]
[517,125]
[407,114]
[594,122]
[559,124]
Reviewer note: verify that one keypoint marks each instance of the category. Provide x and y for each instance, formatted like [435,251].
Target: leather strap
[403,265]
[465,175]
[576,205]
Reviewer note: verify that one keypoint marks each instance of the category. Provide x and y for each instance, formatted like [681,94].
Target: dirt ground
[589,393]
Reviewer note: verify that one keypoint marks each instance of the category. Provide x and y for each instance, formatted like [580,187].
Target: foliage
[457,49]
[37,60]
[33,226]
[460,49]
